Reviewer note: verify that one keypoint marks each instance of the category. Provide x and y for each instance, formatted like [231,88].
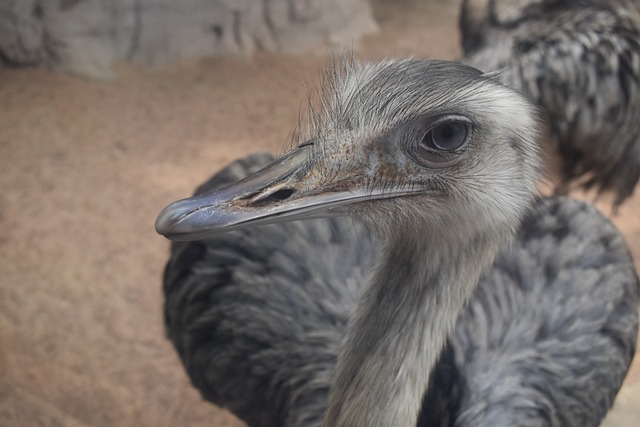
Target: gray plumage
[580,61]
[258,316]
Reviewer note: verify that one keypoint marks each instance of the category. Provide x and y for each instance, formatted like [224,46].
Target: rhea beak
[273,194]
[276,193]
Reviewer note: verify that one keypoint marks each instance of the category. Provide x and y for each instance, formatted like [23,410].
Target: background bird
[580,61]
[258,315]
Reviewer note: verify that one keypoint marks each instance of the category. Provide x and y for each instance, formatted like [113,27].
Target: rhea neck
[400,326]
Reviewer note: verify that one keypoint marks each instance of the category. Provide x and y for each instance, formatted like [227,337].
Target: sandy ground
[85,166]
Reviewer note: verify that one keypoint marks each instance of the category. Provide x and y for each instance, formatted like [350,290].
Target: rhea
[580,62]
[438,162]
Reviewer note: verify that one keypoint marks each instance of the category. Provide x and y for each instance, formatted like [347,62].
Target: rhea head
[408,143]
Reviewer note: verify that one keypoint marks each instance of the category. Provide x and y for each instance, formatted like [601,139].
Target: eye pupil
[447,136]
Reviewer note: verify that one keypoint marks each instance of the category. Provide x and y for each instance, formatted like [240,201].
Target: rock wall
[87,36]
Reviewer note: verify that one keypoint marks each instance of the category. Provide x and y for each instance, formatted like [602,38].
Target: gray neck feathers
[400,327]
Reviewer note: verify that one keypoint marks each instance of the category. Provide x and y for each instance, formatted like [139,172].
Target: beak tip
[191,219]
[165,221]
[170,217]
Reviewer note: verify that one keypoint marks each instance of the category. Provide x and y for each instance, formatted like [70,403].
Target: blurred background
[111,109]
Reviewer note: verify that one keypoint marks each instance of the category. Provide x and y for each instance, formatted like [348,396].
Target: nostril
[276,196]
[280,195]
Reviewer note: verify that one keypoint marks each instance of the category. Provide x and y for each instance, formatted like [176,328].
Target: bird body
[579,61]
[417,312]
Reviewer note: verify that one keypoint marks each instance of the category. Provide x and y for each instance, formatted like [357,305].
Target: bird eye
[447,136]
[443,143]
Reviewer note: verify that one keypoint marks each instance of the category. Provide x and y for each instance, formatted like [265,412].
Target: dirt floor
[85,166]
